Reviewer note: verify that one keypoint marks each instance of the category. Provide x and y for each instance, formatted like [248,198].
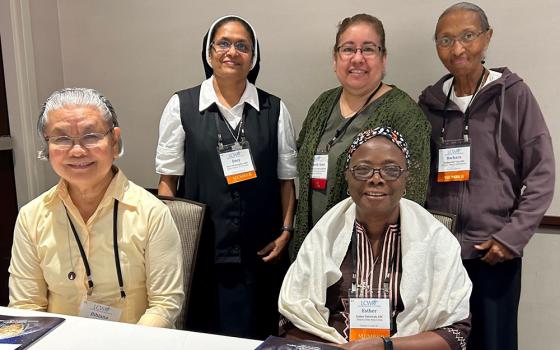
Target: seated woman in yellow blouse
[96,244]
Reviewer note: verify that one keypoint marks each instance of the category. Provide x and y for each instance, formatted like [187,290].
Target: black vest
[241,218]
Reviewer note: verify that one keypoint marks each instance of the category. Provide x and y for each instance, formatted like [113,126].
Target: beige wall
[539,309]
[48,60]
[138,52]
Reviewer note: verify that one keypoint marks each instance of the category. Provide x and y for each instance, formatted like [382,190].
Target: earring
[347,193]
[404,193]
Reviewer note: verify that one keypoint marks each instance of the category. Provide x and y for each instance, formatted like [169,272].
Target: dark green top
[319,198]
[394,109]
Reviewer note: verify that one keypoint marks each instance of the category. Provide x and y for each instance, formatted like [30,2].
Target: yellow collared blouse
[45,251]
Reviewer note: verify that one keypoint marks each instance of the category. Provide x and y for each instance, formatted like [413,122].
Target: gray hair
[75,96]
[467,6]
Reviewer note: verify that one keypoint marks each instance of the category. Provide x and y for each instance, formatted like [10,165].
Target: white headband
[209,39]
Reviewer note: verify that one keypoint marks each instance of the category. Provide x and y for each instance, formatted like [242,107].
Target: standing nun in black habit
[231,146]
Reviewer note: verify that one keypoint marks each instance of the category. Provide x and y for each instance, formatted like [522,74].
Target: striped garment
[379,275]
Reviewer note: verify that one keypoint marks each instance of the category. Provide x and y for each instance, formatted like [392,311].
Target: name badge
[319,171]
[454,163]
[237,162]
[90,309]
[369,318]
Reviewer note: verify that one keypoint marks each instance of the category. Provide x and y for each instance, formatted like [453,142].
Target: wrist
[387,343]
[287,228]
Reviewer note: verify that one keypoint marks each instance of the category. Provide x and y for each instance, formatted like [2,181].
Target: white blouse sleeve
[287,154]
[169,155]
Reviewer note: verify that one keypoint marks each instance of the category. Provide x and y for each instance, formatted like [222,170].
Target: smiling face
[376,197]
[232,64]
[79,166]
[357,74]
[462,59]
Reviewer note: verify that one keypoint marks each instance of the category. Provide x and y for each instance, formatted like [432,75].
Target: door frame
[21,93]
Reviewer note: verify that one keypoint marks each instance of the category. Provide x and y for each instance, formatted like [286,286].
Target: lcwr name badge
[369,318]
[454,163]
[319,171]
[237,162]
[91,309]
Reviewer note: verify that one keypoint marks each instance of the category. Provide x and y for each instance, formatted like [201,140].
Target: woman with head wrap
[378,270]
[231,146]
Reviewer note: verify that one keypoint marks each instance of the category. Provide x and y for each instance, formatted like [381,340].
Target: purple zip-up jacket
[512,164]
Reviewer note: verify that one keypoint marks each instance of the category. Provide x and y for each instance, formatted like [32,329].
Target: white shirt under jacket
[435,287]
[169,155]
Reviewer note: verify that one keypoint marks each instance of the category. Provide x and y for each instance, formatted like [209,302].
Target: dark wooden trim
[550,221]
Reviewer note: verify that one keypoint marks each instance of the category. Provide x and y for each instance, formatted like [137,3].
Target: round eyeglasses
[464,38]
[65,142]
[362,172]
[222,46]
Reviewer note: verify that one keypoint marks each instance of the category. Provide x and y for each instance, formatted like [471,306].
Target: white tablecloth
[77,333]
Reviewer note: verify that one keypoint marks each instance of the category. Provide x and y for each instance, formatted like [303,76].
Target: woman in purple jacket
[492,165]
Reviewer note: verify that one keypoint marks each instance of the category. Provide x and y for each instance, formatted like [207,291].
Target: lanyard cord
[82,253]
[240,131]
[355,263]
[467,111]
[341,130]
[115,249]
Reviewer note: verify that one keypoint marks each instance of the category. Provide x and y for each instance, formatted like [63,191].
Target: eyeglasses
[64,142]
[362,172]
[464,38]
[370,50]
[222,46]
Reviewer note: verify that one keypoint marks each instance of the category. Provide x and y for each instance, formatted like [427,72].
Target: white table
[77,333]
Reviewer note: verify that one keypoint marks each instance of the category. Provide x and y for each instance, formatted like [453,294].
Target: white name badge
[454,163]
[369,317]
[319,171]
[237,162]
[90,309]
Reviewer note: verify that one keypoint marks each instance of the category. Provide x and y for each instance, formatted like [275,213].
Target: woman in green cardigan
[362,102]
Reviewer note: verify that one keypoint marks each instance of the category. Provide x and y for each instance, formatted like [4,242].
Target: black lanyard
[241,130]
[115,249]
[467,111]
[341,130]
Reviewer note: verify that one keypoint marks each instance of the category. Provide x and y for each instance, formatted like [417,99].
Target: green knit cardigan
[395,109]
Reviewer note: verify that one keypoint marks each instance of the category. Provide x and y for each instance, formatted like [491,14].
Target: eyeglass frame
[460,38]
[361,49]
[224,50]
[77,139]
[378,171]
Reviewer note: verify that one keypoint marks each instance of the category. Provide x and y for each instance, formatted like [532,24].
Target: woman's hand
[365,344]
[497,252]
[273,250]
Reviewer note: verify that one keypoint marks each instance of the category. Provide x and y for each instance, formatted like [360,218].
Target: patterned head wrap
[393,135]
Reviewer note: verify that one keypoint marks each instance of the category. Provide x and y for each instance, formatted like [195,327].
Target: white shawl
[435,287]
